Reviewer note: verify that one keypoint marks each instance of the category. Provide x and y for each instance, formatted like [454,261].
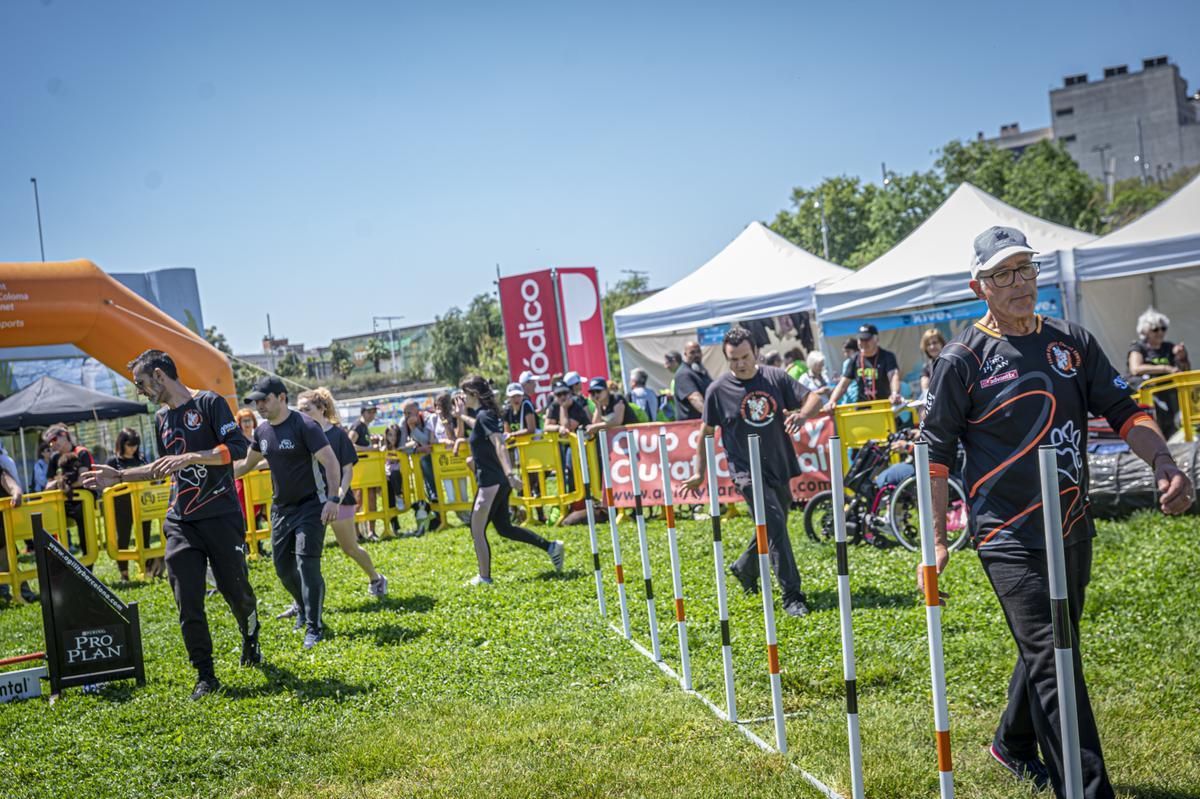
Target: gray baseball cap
[994,245]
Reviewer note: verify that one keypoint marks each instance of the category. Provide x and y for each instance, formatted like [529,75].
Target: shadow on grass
[417,603]
[281,680]
[550,575]
[384,635]
[864,596]
[1154,793]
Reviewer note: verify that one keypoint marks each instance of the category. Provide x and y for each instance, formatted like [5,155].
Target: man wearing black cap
[204,527]
[1013,381]
[303,502]
[872,369]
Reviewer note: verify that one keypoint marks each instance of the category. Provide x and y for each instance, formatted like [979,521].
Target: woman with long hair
[128,455]
[318,405]
[932,342]
[495,480]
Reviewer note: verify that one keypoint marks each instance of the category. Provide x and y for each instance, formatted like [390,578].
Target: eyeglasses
[1005,277]
[595,391]
[1157,329]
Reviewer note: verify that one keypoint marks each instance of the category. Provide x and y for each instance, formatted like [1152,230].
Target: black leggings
[491,506]
[123,510]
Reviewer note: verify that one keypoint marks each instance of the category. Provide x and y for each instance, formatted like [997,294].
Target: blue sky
[329,161]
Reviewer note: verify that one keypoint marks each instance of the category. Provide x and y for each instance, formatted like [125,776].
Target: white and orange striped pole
[933,622]
[714,511]
[606,480]
[843,584]
[591,517]
[685,659]
[764,575]
[639,516]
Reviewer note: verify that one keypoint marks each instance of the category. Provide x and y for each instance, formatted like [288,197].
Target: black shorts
[298,527]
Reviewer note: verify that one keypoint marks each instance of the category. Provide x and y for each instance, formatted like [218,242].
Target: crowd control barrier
[1185,385]
[257,493]
[539,460]
[45,510]
[860,422]
[370,477]
[455,481]
[147,502]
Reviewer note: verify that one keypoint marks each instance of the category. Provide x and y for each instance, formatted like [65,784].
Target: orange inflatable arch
[75,302]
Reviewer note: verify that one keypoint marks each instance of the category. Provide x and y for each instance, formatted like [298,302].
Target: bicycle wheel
[906,521]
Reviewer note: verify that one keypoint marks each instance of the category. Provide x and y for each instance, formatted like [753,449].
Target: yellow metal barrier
[1186,385]
[257,491]
[45,510]
[539,456]
[455,480]
[859,422]
[147,503]
[370,477]
[89,535]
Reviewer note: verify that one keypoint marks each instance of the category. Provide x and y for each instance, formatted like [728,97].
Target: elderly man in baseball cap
[1006,384]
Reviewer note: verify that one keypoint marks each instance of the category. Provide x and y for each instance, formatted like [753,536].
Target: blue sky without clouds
[329,161]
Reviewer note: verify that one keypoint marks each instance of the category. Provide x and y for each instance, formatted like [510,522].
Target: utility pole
[1108,186]
[824,227]
[271,343]
[1141,156]
[37,204]
[391,336]
[886,180]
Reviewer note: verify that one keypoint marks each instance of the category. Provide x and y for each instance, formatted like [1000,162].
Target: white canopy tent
[759,274]
[922,281]
[1152,261]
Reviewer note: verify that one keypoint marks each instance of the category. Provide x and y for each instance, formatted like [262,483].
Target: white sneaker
[556,552]
[378,588]
[478,580]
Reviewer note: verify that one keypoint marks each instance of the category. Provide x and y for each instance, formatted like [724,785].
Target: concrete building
[1014,139]
[1129,124]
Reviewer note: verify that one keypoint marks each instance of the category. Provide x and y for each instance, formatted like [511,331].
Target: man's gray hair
[1151,318]
[815,357]
[639,377]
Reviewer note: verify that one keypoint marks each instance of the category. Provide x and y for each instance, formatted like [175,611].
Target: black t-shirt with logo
[362,433]
[514,420]
[689,380]
[627,417]
[343,448]
[290,448]
[756,406]
[1002,397]
[488,471]
[871,373]
[202,423]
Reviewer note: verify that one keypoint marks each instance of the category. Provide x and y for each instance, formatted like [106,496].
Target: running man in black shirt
[495,480]
[197,440]
[305,476]
[1001,388]
[755,400]
[690,383]
[873,369]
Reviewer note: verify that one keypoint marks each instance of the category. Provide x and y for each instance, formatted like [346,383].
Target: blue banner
[712,335]
[1049,303]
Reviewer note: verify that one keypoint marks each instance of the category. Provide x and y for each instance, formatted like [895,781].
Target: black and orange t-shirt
[202,423]
[758,406]
[1004,396]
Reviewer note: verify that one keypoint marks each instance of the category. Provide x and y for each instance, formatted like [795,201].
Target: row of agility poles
[1057,579]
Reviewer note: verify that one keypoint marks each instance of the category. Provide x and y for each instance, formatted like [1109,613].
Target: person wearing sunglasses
[1152,356]
[611,408]
[1004,385]
[564,416]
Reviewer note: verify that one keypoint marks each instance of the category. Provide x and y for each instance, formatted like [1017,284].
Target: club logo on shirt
[286,443]
[192,419]
[1120,383]
[227,428]
[262,446]
[758,408]
[1063,358]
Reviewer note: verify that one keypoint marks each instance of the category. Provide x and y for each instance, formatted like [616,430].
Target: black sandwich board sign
[91,635]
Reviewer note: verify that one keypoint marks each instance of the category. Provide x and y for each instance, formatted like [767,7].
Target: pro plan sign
[91,635]
[553,324]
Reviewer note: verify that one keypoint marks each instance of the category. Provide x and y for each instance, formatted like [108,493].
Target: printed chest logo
[192,419]
[994,364]
[1003,377]
[1063,358]
[286,443]
[758,408]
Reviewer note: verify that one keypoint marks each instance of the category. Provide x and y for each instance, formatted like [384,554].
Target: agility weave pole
[640,517]
[591,518]
[843,584]
[685,661]
[606,481]
[933,622]
[714,510]
[764,575]
[1060,618]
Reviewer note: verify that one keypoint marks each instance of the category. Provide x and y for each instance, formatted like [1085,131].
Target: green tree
[895,211]
[622,294]
[244,374]
[978,163]
[461,342]
[340,360]
[847,202]
[1046,182]
[290,366]
[376,351]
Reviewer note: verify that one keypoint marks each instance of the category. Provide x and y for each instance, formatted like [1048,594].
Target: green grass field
[519,689]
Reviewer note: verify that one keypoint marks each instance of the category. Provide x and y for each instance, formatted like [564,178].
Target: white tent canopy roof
[931,266]
[758,274]
[1167,237]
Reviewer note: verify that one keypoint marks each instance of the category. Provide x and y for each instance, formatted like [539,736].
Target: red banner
[683,440]
[583,322]
[528,306]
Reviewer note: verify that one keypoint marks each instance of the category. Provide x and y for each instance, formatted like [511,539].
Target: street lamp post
[824,227]
[391,337]
[37,204]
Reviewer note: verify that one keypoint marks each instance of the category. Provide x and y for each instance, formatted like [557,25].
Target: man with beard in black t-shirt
[305,476]
[197,441]
[691,381]
[755,400]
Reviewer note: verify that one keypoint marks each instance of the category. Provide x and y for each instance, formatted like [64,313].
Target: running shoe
[378,588]
[1033,770]
[311,639]
[478,580]
[251,652]
[556,552]
[292,610]
[749,582]
[795,605]
[205,686]
[300,624]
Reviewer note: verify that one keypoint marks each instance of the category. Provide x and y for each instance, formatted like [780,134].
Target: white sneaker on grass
[478,580]
[556,552]
[378,587]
